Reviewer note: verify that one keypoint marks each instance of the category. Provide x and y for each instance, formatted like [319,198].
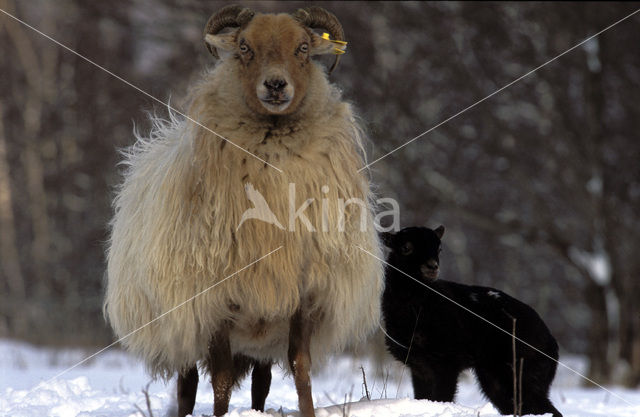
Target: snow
[592,48]
[598,264]
[112,384]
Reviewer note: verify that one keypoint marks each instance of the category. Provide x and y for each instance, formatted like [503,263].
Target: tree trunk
[8,247]
[633,378]
[32,112]
[14,292]
[598,334]
[630,337]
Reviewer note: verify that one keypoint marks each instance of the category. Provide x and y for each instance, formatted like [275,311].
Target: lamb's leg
[422,387]
[260,384]
[300,360]
[445,383]
[221,370]
[187,387]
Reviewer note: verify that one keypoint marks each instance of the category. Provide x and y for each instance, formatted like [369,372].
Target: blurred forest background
[539,186]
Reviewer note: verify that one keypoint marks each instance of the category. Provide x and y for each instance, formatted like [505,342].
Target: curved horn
[317,17]
[229,16]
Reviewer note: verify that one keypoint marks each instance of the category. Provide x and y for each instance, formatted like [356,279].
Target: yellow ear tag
[339,48]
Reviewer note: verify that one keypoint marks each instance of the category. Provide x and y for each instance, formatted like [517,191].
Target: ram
[270,122]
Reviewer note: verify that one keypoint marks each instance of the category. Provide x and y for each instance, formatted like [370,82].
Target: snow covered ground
[112,385]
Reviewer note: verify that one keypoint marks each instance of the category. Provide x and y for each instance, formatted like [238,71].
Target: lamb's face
[271,54]
[416,251]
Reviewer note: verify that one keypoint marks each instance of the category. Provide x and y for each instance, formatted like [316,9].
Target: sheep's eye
[244,48]
[304,48]
[406,249]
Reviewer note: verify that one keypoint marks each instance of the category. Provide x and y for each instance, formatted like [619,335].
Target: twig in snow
[145,391]
[384,385]
[366,388]
[408,351]
[520,387]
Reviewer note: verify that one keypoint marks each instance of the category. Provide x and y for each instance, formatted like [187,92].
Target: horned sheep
[270,119]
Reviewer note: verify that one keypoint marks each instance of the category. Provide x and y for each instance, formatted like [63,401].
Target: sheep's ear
[221,45]
[439,231]
[388,239]
[320,45]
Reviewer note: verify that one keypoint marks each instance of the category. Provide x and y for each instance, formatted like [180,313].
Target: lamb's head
[415,251]
[272,52]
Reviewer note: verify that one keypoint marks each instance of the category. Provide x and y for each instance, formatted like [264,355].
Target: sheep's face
[416,251]
[273,57]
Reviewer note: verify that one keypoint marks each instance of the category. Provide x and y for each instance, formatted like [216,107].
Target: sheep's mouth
[429,273]
[276,105]
[276,101]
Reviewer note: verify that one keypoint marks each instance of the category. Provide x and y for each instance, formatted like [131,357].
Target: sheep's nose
[275,85]
[432,264]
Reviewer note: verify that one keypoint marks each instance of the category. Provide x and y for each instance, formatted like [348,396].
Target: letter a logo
[260,210]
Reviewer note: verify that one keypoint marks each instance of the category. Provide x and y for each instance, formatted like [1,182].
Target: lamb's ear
[387,239]
[221,45]
[439,231]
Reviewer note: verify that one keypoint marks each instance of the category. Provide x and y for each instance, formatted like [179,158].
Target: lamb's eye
[304,48]
[406,249]
[244,48]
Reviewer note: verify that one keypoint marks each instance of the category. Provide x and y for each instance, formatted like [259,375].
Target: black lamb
[438,339]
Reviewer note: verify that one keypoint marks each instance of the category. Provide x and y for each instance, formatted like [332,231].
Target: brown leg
[300,361]
[221,370]
[260,383]
[187,387]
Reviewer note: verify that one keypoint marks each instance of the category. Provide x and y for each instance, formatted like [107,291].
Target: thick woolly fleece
[175,230]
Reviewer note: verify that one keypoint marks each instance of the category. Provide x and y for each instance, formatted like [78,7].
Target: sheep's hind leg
[300,360]
[187,387]
[260,384]
[221,368]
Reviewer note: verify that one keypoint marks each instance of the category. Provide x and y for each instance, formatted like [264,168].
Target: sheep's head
[415,251]
[272,52]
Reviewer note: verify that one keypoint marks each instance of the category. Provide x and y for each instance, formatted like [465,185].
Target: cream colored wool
[174,230]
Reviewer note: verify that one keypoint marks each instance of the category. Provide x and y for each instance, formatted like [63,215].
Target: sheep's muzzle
[430,270]
[275,93]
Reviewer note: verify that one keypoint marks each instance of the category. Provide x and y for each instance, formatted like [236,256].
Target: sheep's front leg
[187,387]
[300,360]
[260,384]
[221,370]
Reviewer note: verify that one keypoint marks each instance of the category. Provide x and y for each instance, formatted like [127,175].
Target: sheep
[438,339]
[177,230]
